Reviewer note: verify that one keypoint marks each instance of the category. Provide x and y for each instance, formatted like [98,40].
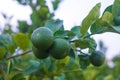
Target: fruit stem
[17,55]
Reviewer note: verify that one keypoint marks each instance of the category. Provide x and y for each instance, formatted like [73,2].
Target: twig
[69,71]
[3,72]
[80,51]
[88,36]
[17,55]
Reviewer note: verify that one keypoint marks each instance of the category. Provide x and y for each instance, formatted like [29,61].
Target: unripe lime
[97,58]
[60,48]
[40,54]
[42,38]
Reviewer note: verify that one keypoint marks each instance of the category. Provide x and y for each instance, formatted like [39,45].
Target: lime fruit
[40,54]
[97,58]
[60,48]
[42,38]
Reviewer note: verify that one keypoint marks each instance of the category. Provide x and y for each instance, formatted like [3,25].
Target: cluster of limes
[45,44]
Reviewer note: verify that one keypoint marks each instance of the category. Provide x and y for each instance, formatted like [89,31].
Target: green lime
[97,58]
[40,54]
[42,38]
[60,48]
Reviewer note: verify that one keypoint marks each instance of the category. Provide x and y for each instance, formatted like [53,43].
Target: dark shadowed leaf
[84,60]
[72,53]
[109,9]
[18,76]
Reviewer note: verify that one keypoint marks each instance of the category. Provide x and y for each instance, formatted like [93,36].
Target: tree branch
[17,55]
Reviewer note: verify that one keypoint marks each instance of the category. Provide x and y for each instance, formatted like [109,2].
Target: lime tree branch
[17,55]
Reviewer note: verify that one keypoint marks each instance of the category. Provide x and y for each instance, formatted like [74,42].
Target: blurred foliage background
[48,69]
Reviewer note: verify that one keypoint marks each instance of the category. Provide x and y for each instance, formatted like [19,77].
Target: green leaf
[55,4]
[107,18]
[76,30]
[41,2]
[86,43]
[23,26]
[90,18]
[62,62]
[103,24]
[37,19]
[7,42]
[46,63]
[2,52]
[70,64]
[64,34]
[72,53]
[52,67]
[116,8]
[116,28]
[33,66]
[97,29]
[21,40]
[5,39]
[60,77]
[18,76]
[54,25]
[108,9]
[82,43]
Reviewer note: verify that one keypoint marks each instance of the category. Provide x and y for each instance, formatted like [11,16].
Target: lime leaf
[7,42]
[84,60]
[70,64]
[54,25]
[90,18]
[116,28]
[46,62]
[55,4]
[33,66]
[18,76]
[76,31]
[63,62]
[2,52]
[64,34]
[116,8]
[86,43]
[23,26]
[103,24]
[109,9]
[72,53]
[82,43]
[107,18]
[21,40]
